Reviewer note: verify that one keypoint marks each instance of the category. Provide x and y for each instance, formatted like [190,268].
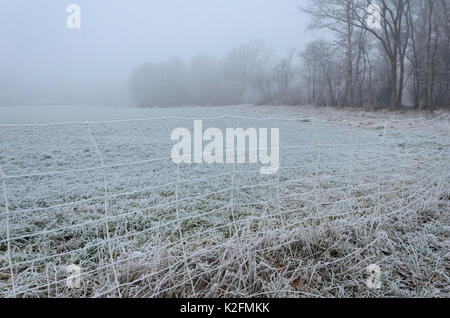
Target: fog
[44,62]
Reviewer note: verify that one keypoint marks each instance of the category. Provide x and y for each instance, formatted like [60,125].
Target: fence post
[8,235]
[379,177]
[318,165]
[177,209]
[105,181]
[350,186]
[231,214]
[282,215]
[278,192]
[444,175]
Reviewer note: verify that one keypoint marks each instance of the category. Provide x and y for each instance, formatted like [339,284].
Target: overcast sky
[38,51]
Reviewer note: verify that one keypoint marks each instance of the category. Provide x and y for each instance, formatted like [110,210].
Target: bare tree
[337,16]
[334,14]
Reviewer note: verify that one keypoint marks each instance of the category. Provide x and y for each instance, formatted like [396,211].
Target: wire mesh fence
[107,198]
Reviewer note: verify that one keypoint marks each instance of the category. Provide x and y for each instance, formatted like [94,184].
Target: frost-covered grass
[353,190]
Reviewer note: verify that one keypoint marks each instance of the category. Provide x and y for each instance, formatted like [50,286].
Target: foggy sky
[41,61]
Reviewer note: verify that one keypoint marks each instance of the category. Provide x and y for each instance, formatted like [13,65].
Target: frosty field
[95,187]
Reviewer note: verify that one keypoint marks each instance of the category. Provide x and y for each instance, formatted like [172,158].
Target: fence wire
[151,228]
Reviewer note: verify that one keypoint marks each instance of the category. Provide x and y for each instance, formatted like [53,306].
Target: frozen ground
[354,189]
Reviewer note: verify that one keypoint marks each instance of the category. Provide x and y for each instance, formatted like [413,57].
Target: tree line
[404,58]
[249,73]
[385,53]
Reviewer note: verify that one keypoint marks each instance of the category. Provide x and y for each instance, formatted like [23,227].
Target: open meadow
[96,187]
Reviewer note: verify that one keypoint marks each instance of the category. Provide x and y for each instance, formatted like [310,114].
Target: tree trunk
[394,79]
[349,98]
